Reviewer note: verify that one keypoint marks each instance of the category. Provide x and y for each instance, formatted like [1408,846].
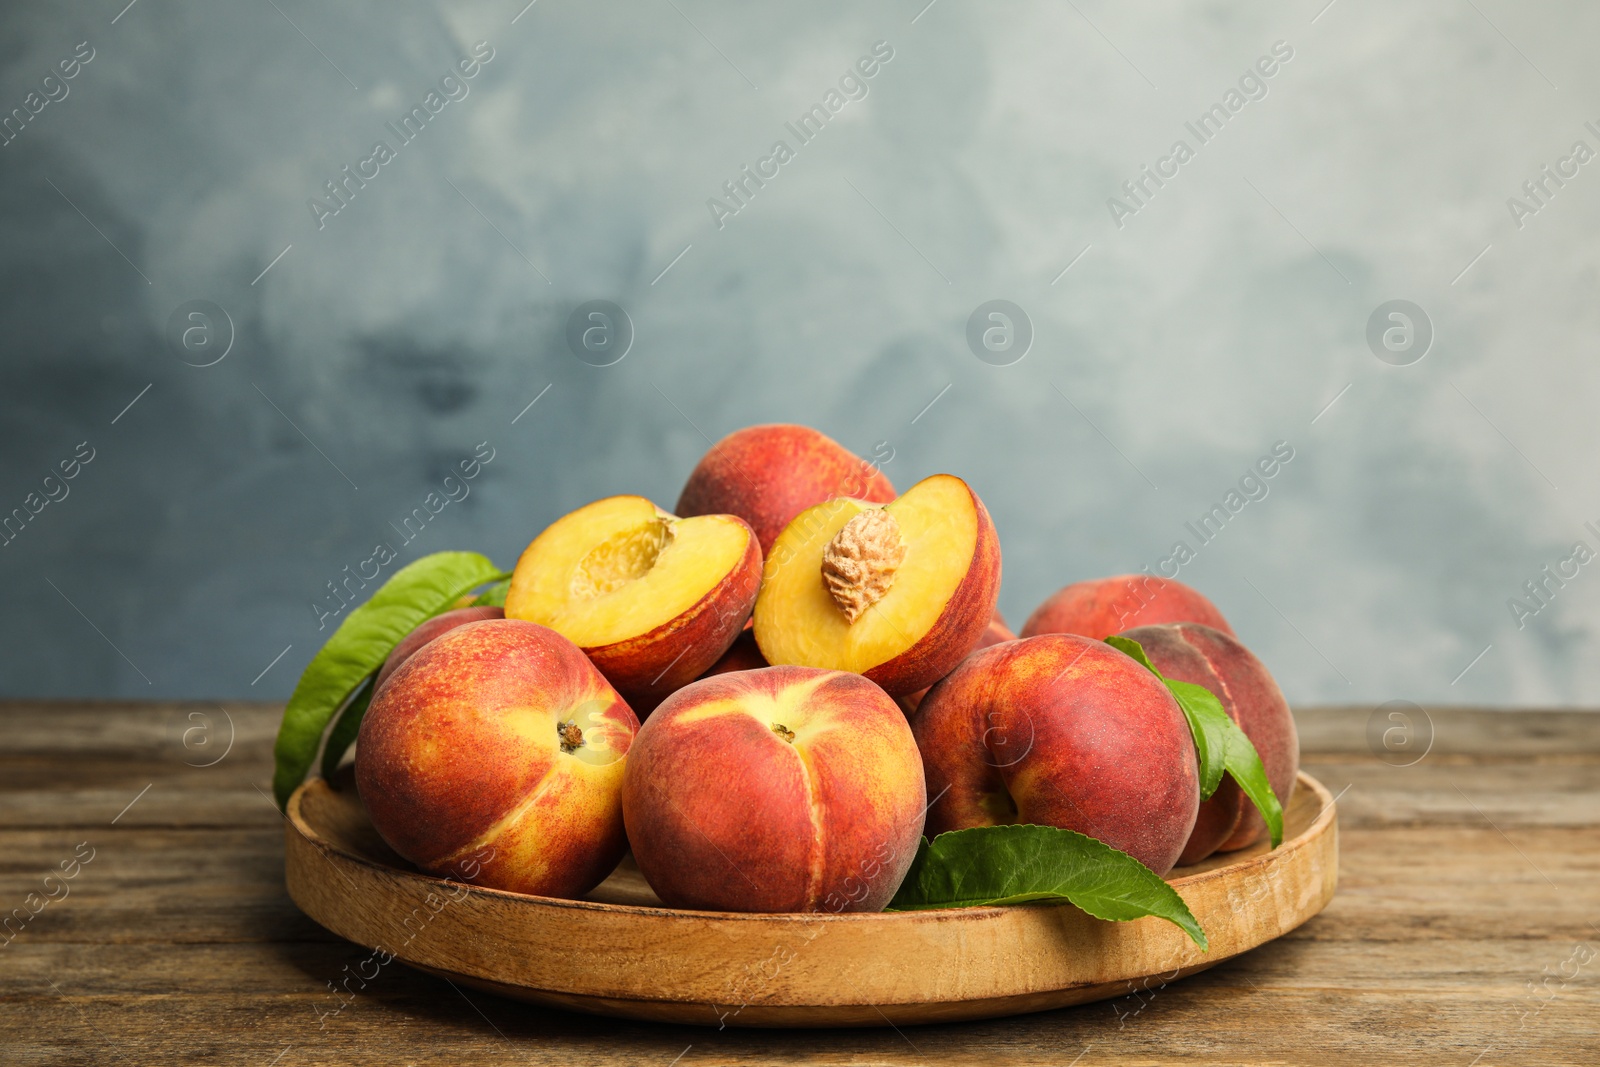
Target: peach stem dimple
[571,736]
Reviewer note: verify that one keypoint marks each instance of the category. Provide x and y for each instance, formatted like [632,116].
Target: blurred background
[369,318]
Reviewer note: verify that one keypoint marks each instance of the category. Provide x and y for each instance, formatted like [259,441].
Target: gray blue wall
[1208,319]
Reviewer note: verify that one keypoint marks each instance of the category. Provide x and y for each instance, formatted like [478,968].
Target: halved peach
[897,592]
[652,599]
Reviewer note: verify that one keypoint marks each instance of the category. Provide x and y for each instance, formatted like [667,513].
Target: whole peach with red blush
[779,789]
[1190,652]
[500,745]
[1060,730]
[1101,607]
[768,474]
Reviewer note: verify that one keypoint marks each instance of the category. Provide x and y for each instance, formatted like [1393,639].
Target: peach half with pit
[652,599]
[783,789]
[1059,730]
[495,754]
[898,592]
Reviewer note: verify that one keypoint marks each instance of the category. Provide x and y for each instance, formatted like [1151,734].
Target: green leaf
[1219,743]
[494,596]
[1133,648]
[1244,764]
[415,593]
[346,727]
[1209,722]
[1199,707]
[1022,863]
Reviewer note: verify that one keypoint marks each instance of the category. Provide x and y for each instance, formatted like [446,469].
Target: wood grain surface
[1466,929]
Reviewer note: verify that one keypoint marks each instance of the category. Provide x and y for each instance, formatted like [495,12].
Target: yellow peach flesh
[796,619]
[621,567]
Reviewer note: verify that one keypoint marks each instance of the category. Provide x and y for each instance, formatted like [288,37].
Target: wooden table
[1466,930]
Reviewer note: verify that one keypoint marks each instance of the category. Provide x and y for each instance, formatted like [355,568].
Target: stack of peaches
[772,694]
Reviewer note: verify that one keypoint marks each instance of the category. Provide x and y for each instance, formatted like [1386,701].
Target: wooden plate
[622,953]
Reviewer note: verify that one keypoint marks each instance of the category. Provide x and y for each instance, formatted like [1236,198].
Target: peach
[742,655]
[996,632]
[767,475]
[780,789]
[428,630]
[1104,606]
[652,599]
[899,592]
[1189,652]
[499,745]
[1059,730]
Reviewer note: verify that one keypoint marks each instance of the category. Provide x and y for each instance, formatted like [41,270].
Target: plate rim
[1327,813]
